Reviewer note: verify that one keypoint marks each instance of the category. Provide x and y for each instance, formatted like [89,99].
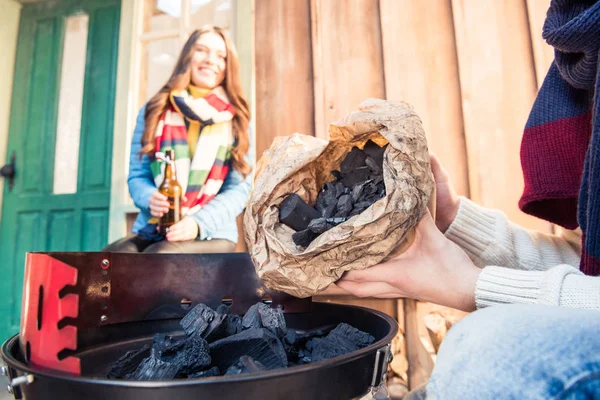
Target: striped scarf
[560,151]
[197,126]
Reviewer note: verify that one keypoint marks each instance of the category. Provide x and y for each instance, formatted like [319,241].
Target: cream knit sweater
[522,266]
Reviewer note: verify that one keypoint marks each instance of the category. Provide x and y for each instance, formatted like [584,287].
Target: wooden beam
[284,91]
[543,53]
[421,69]
[498,87]
[347,58]
[420,363]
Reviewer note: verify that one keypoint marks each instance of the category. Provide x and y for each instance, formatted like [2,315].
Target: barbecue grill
[82,311]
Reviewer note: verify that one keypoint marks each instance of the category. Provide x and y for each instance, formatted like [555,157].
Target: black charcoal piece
[343,339]
[273,319]
[202,321]
[251,319]
[340,189]
[326,201]
[344,206]
[357,192]
[192,357]
[214,371]
[336,221]
[354,160]
[223,309]
[303,238]
[233,325]
[167,345]
[372,164]
[375,152]
[152,368]
[358,176]
[261,315]
[260,344]
[128,363]
[318,225]
[295,213]
[245,365]
[291,336]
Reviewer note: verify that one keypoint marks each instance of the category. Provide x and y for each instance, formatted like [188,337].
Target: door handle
[9,170]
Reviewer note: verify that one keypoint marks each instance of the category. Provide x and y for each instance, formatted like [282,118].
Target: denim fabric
[520,352]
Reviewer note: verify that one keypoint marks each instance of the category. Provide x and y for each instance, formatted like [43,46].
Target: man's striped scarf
[207,118]
[560,151]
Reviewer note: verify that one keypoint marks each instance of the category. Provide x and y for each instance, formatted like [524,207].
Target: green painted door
[61,129]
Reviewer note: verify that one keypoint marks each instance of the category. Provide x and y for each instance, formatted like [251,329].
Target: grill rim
[12,344]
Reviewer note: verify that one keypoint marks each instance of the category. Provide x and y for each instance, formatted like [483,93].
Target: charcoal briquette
[192,357]
[260,344]
[251,319]
[245,365]
[152,368]
[303,238]
[203,321]
[372,164]
[375,152]
[353,160]
[344,206]
[318,225]
[357,192]
[223,309]
[291,336]
[343,339]
[295,213]
[261,315]
[233,325]
[357,176]
[128,363]
[273,319]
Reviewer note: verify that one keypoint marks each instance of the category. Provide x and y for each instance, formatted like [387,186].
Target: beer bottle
[172,189]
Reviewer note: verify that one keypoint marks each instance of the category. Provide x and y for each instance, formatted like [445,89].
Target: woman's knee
[129,244]
[164,247]
[517,347]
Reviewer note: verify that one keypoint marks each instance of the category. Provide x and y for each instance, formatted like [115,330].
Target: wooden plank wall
[471,69]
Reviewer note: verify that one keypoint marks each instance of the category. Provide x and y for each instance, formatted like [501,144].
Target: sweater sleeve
[229,203]
[489,238]
[521,266]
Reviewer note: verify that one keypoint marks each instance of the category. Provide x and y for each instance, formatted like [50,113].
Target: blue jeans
[520,352]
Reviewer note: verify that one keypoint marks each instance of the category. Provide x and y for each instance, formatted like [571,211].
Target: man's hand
[432,269]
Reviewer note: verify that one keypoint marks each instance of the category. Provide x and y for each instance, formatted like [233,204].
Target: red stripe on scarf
[171,133]
[590,265]
[552,157]
[218,104]
[217,172]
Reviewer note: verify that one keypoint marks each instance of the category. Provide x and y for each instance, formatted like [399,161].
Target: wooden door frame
[10,20]
[31,16]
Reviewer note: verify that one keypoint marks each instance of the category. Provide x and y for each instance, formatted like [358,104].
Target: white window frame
[131,40]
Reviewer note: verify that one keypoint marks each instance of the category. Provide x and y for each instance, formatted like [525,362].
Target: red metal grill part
[42,340]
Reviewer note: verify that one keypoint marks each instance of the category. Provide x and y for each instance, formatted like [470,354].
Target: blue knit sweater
[216,220]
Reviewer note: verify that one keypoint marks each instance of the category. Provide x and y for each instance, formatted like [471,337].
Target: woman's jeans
[520,352]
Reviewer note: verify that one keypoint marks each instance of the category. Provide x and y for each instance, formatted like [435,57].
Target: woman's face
[208,61]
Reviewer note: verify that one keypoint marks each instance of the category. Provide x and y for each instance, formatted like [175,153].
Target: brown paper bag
[302,164]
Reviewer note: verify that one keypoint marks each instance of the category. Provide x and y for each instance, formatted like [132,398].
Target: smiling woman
[202,115]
